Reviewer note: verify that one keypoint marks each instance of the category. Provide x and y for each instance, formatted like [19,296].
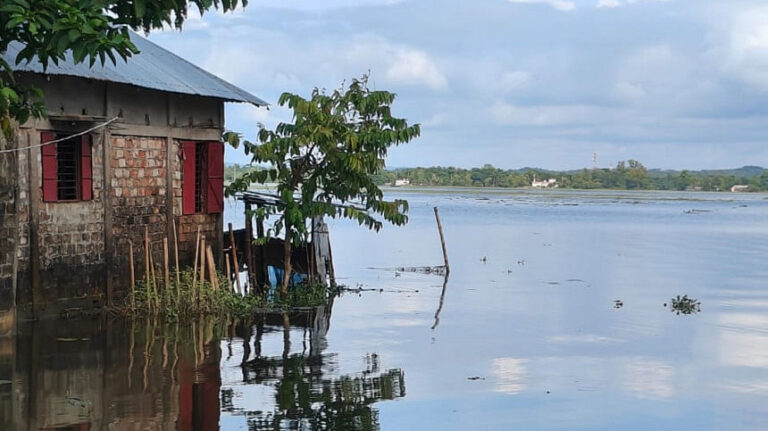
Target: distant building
[739,188]
[402,182]
[550,182]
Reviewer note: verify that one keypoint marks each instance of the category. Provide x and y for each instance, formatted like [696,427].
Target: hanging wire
[55,141]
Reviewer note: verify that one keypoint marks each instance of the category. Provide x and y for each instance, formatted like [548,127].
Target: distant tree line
[629,175]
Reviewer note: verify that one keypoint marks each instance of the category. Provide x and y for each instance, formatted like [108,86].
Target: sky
[516,83]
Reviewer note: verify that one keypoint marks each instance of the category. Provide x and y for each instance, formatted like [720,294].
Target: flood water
[557,315]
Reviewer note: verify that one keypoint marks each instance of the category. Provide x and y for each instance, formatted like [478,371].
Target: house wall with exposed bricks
[75,254]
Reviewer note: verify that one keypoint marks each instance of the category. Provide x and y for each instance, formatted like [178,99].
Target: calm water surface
[528,334]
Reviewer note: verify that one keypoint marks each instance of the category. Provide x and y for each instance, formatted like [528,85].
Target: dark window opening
[68,169]
[200,176]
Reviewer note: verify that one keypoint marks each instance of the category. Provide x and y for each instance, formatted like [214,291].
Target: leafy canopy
[324,161]
[89,29]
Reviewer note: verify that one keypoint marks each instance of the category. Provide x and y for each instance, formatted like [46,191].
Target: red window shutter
[214,200]
[188,181]
[86,168]
[50,168]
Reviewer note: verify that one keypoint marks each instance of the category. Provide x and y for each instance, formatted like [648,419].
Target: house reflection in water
[117,374]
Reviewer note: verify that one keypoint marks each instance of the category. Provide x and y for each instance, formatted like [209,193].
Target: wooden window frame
[202,177]
[51,178]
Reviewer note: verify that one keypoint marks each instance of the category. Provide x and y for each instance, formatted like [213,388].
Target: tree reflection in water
[305,396]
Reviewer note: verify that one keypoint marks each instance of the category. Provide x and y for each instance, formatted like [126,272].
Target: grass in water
[203,299]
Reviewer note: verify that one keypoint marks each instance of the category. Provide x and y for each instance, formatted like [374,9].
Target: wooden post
[197,256]
[236,266]
[202,261]
[249,246]
[211,268]
[133,276]
[146,263]
[229,271]
[154,279]
[166,267]
[176,253]
[442,241]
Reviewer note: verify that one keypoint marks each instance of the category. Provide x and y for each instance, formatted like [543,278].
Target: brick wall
[14,212]
[71,243]
[139,200]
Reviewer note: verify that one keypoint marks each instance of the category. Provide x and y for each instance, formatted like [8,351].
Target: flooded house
[125,149]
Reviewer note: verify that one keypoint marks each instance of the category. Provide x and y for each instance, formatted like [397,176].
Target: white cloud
[561,5]
[410,66]
[746,50]
[608,3]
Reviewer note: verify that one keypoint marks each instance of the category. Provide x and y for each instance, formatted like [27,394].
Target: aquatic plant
[201,298]
[684,305]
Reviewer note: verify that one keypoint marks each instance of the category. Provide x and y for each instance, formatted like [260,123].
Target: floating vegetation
[684,305]
[618,303]
[433,270]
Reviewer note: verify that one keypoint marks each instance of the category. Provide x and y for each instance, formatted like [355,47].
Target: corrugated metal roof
[154,67]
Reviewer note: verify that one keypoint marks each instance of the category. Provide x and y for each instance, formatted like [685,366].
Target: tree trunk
[286,266]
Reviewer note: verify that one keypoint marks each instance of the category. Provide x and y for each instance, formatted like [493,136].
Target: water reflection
[109,373]
[305,394]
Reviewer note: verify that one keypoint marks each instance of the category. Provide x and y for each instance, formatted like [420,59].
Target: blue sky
[544,83]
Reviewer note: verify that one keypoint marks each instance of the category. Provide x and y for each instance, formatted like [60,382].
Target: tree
[88,29]
[326,159]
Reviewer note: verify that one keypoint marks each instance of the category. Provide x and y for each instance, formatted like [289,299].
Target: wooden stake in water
[235,265]
[176,255]
[133,275]
[211,268]
[146,265]
[202,269]
[229,272]
[154,280]
[442,241]
[166,267]
[197,256]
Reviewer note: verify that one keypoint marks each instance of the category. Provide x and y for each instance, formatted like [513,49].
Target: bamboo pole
[146,265]
[211,268]
[202,260]
[442,241]
[176,255]
[235,264]
[197,253]
[229,272]
[133,275]
[166,267]
[154,280]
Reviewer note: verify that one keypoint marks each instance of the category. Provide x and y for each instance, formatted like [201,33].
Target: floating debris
[475,378]
[685,305]
[618,303]
[696,211]
[432,270]
[484,259]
